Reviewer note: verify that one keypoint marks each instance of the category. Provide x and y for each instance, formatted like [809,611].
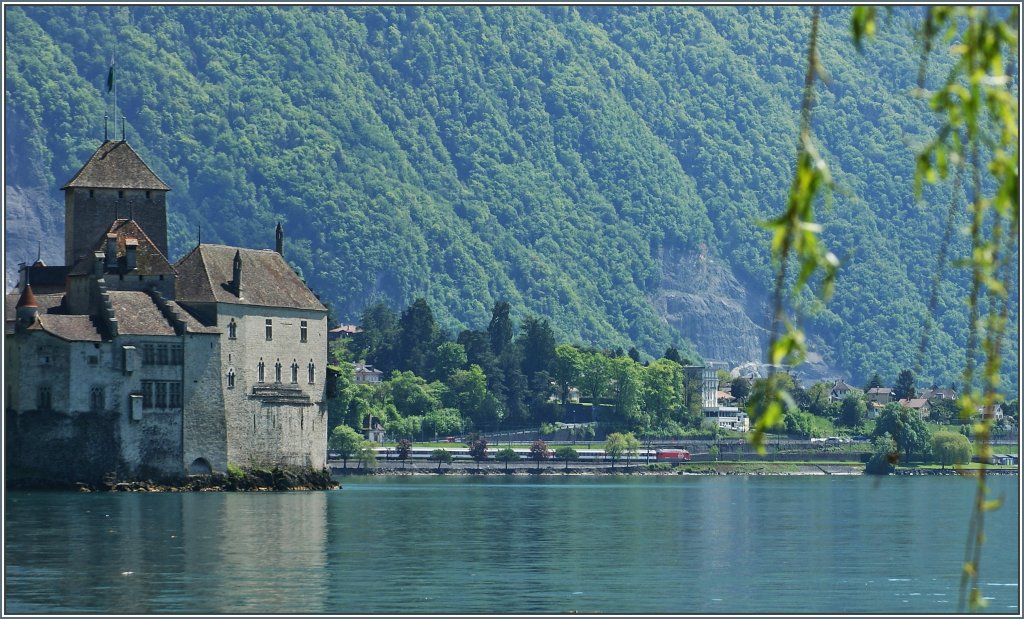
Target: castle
[121,362]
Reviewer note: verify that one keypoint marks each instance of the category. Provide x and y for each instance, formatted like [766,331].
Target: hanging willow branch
[795,239]
[977,99]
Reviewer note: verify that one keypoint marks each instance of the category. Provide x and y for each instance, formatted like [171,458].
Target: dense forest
[569,161]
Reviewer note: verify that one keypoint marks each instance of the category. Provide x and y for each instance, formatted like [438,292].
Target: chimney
[280,239]
[131,250]
[111,250]
[236,274]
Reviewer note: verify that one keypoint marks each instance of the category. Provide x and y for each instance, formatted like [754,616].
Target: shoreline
[488,469]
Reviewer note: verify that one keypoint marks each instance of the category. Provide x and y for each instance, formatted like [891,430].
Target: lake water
[553,544]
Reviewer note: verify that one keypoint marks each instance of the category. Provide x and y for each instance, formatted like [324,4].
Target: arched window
[259,371]
[295,372]
[231,378]
[312,372]
[277,371]
[232,330]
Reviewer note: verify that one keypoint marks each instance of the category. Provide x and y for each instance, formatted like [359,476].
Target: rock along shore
[274,480]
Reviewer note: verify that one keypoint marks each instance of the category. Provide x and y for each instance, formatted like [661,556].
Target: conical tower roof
[116,165]
[27,298]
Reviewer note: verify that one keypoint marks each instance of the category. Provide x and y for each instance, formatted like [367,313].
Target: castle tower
[114,183]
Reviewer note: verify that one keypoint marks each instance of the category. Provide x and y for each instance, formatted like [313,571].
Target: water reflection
[486,545]
[153,553]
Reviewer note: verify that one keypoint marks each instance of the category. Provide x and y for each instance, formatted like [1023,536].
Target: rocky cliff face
[33,226]
[701,298]
[726,320]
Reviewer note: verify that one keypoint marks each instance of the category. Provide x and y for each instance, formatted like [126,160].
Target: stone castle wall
[88,214]
[274,422]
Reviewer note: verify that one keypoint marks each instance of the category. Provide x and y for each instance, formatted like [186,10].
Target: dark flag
[110,75]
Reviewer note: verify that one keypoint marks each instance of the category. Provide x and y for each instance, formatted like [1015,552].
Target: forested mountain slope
[604,167]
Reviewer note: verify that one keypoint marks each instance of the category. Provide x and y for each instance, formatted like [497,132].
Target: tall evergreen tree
[500,328]
[418,338]
[906,386]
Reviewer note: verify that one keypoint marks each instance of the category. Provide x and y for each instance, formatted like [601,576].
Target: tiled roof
[149,260]
[137,314]
[193,324]
[116,165]
[880,390]
[74,328]
[205,275]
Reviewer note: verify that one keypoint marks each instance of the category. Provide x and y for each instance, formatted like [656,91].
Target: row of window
[162,354]
[269,330]
[261,369]
[161,394]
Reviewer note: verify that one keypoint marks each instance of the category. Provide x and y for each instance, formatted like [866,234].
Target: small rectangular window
[161,394]
[175,395]
[147,394]
[96,399]
[161,354]
[303,331]
[270,329]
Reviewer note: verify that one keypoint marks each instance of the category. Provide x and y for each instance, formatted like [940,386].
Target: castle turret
[27,308]
[114,183]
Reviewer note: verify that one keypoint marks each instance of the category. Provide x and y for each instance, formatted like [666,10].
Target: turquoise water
[514,545]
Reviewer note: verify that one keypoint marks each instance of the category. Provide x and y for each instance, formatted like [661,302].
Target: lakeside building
[727,417]
[121,362]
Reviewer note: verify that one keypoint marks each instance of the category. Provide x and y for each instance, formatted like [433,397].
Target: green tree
[615,446]
[905,387]
[595,374]
[404,450]
[478,451]
[367,454]
[714,452]
[539,451]
[378,329]
[799,423]
[632,445]
[412,395]
[853,410]
[568,369]
[406,427]
[740,389]
[448,358]
[909,432]
[346,442]
[873,382]
[944,411]
[418,339]
[567,454]
[506,455]
[537,341]
[672,354]
[442,422]
[441,456]
[499,330]
[884,456]
[951,448]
